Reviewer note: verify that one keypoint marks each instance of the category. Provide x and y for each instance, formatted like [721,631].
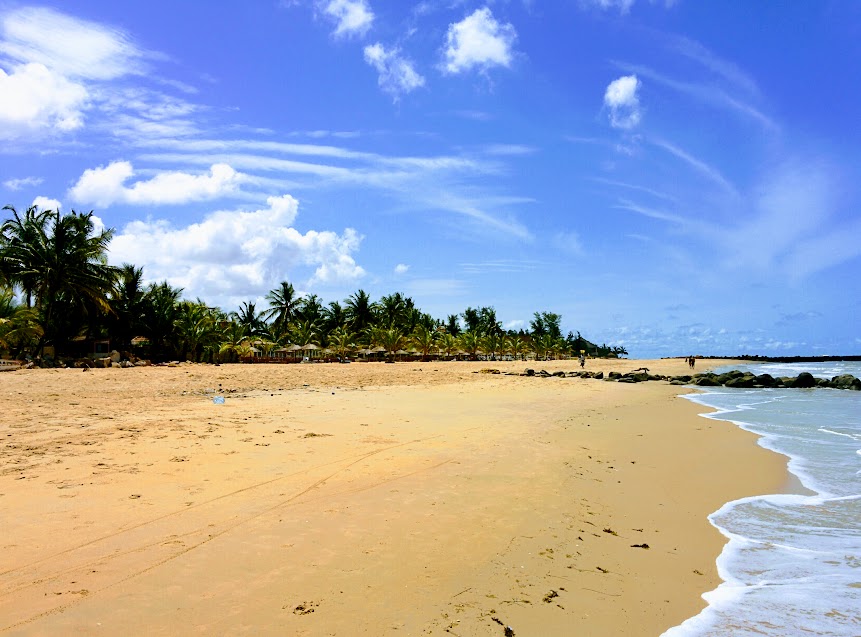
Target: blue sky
[679,177]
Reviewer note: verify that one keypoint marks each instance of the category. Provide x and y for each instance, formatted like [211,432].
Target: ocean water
[792,564]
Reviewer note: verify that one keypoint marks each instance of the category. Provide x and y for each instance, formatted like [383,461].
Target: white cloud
[396,74]
[104,186]
[46,203]
[700,166]
[569,242]
[622,5]
[621,98]
[353,17]
[22,182]
[35,98]
[516,324]
[478,41]
[234,255]
[401,268]
[68,46]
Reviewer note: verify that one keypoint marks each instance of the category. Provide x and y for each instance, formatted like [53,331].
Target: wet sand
[362,499]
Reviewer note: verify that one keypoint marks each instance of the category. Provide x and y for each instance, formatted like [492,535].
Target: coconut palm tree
[470,342]
[334,317]
[19,326]
[127,300]
[358,311]
[283,307]
[424,340]
[492,343]
[20,238]
[250,319]
[63,266]
[161,306]
[341,341]
[393,340]
[304,333]
[448,344]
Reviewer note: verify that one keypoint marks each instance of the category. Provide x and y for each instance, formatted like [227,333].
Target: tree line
[57,288]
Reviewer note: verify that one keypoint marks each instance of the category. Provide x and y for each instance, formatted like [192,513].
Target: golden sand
[362,499]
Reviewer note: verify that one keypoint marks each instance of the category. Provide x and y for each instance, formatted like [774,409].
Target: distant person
[692,361]
[582,361]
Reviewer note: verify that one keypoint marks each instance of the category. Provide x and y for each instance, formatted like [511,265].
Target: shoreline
[416,497]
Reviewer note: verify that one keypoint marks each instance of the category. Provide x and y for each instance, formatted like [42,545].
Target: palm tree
[517,344]
[283,307]
[492,343]
[358,311]
[234,343]
[197,327]
[161,303]
[334,317]
[448,344]
[311,309]
[19,326]
[303,333]
[250,319]
[424,340]
[19,241]
[127,305]
[393,340]
[63,266]
[470,342]
[341,340]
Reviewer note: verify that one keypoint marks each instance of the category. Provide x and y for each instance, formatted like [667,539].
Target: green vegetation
[58,294]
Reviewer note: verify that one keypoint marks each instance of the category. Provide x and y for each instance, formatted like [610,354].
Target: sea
[792,563]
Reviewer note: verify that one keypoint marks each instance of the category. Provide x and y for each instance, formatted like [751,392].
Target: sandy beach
[362,499]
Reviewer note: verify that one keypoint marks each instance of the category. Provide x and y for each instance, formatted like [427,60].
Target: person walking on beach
[582,361]
[692,361]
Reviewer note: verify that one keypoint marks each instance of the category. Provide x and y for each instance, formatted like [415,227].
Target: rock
[115,356]
[641,377]
[706,381]
[684,378]
[116,365]
[676,381]
[846,381]
[142,363]
[598,375]
[127,364]
[745,381]
[803,381]
[102,362]
[615,375]
[558,374]
[529,372]
[766,380]
[723,379]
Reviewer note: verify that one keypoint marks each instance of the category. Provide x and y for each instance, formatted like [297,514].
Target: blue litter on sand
[218,400]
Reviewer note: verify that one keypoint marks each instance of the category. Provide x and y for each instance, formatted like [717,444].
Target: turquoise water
[792,564]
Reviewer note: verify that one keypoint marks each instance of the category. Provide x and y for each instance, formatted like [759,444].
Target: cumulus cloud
[46,203]
[105,186]
[232,255]
[401,268]
[353,17]
[397,75]
[478,41]
[622,101]
[37,99]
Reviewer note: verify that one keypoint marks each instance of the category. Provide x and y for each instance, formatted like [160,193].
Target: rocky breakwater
[735,378]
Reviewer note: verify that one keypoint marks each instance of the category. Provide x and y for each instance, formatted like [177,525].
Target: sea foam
[792,562]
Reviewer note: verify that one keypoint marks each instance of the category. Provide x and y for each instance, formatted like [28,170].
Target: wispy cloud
[397,74]
[724,68]
[22,182]
[706,93]
[700,166]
